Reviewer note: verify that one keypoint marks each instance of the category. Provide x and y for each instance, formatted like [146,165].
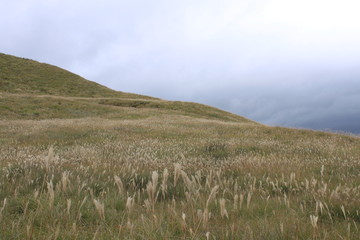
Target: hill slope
[33,90]
[123,166]
[19,75]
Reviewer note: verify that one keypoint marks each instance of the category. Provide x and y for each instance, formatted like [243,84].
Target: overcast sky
[280,62]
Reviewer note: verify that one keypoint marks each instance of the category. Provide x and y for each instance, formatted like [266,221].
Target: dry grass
[175,178]
[81,161]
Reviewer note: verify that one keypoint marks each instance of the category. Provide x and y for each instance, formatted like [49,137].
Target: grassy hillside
[33,90]
[139,168]
[19,75]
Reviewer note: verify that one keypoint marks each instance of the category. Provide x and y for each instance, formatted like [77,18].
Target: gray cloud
[277,62]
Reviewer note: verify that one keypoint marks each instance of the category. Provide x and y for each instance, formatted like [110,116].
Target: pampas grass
[156,179]
[100,209]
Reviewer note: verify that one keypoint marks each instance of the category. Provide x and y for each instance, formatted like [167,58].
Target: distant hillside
[33,90]
[20,75]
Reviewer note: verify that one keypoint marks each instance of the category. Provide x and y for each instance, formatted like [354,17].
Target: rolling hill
[33,90]
[20,75]
[81,161]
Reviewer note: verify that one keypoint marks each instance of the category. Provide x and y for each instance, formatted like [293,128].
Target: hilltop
[20,75]
[33,90]
[102,164]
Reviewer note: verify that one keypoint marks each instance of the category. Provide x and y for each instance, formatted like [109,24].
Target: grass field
[175,178]
[125,167]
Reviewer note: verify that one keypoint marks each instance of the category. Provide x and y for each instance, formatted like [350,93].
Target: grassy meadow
[175,178]
[123,166]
